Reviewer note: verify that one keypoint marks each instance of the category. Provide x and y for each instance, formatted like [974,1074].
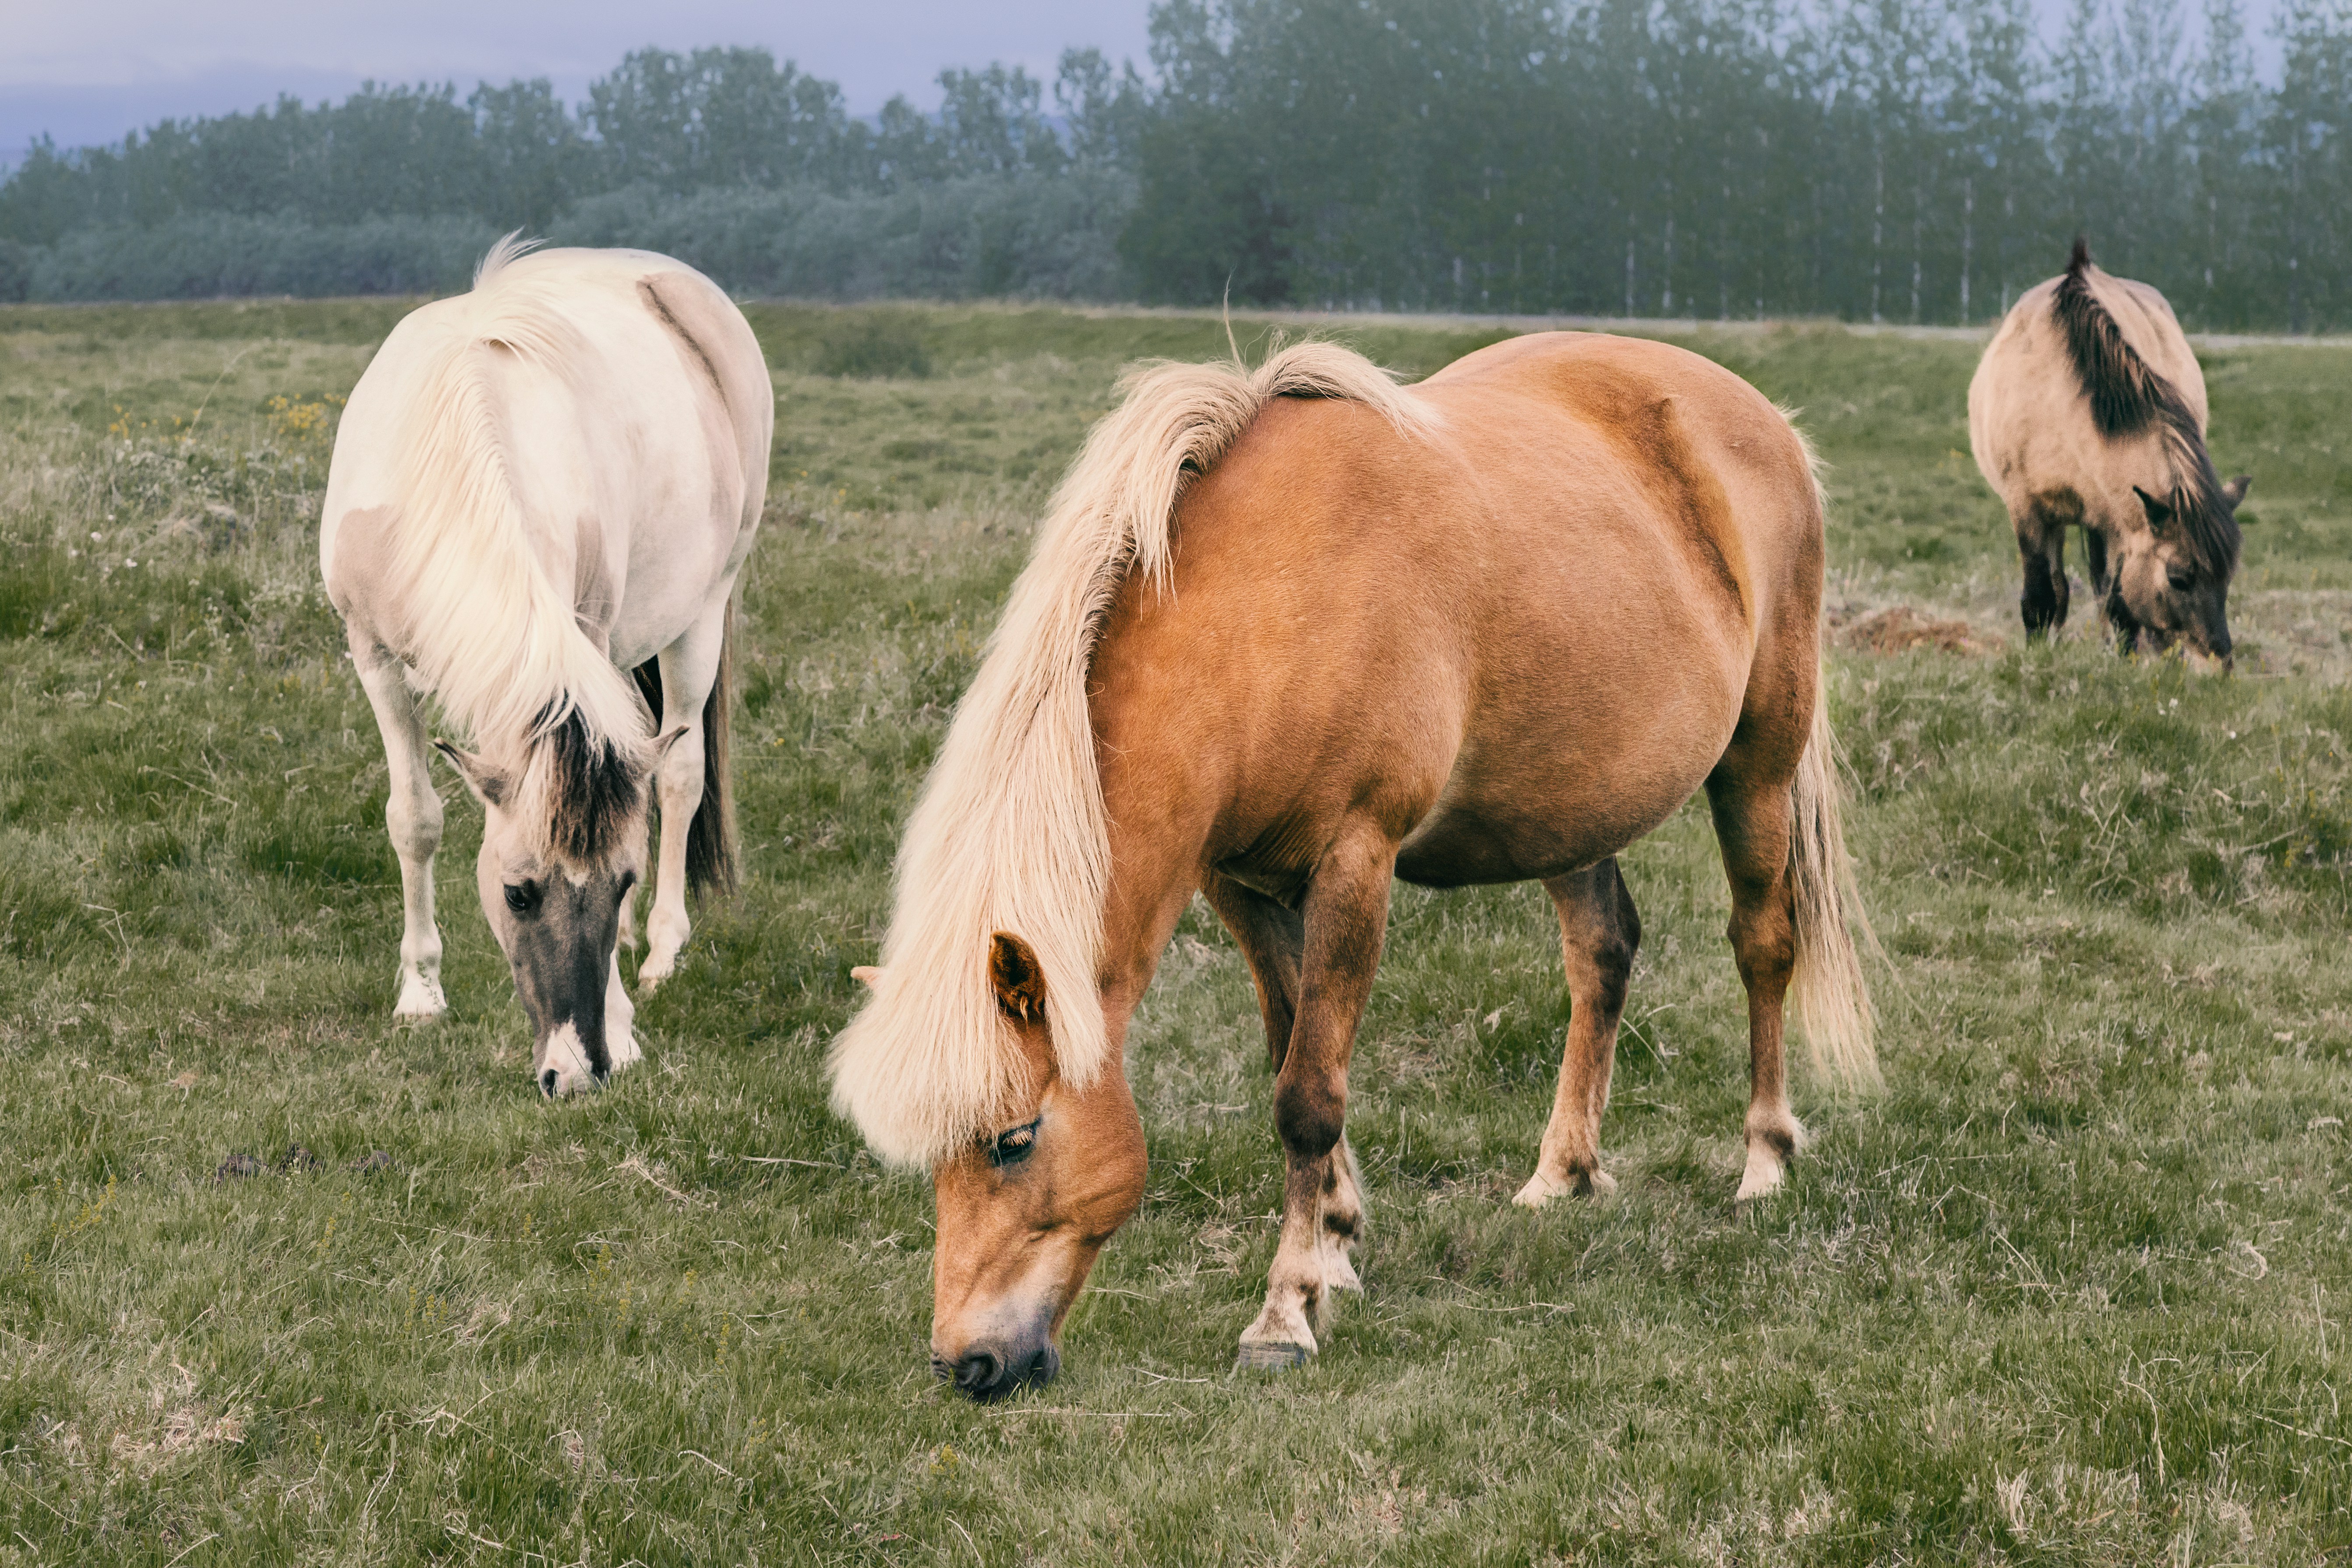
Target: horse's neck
[1156,867]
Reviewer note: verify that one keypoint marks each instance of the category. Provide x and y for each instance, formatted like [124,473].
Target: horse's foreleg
[1751,824]
[690,668]
[412,813]
[1273,937]
[1599,932]
[2042,550]
[1345,918]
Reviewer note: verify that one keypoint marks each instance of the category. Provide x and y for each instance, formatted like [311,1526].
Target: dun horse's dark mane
[2129,397]
[594,788]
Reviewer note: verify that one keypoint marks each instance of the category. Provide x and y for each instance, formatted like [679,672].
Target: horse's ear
[1018,977]
[489,784]
[666,740]
[2158,513]
[2235,490]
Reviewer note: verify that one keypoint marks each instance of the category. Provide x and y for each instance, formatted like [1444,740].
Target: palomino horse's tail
[711,863]
[710,856]
[1832,997]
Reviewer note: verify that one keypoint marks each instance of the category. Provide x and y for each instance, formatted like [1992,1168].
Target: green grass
[2072,1291]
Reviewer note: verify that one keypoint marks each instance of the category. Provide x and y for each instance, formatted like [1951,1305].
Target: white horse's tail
[1832,996]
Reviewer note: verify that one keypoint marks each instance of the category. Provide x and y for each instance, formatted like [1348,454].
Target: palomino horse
[2089,408]
[1290,633]
[537,488]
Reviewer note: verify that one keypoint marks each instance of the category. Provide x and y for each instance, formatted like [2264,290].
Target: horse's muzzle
[987,1372]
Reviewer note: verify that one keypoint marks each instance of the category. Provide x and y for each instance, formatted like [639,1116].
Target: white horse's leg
[620,1020]
[413,814]
[690,668]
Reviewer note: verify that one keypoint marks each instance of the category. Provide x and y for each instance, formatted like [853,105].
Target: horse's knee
[680,773]
[1310,1112]
[1612,974]
[413,817]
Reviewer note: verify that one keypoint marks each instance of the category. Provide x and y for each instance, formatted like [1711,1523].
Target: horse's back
[1524,638]
[2030,421]
[618,395]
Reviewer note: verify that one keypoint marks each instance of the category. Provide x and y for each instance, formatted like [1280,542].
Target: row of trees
[720,118]
[1903,160]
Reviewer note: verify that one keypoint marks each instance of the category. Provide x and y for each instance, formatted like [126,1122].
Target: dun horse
[2088,408]
[537,488]
[1290,633]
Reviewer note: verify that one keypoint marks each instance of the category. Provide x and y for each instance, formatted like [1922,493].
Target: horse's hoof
[421,1001]
[1762,1178]
[1541,1189]
[1272,1358]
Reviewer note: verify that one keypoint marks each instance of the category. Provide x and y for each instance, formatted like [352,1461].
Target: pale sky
[88,72]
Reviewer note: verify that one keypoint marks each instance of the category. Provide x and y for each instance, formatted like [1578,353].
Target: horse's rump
[1464,628]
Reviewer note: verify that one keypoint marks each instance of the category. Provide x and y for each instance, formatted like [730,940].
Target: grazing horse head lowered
[1027,1206]
[1290,633]
[2088,409]
[542,497]
[564,846]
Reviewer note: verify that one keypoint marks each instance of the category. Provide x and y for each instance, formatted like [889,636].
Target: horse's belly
[1572,819]
[1536,794]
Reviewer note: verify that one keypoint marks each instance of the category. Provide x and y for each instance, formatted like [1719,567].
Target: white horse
[538,487]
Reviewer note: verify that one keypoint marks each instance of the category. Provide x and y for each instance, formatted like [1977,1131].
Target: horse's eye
[521,897]
[2181,578]
[1012,1148]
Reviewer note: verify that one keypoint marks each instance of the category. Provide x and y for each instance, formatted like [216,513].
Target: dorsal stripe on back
[2130,398]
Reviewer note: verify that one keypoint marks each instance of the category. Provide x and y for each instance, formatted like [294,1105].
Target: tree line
[1889,160]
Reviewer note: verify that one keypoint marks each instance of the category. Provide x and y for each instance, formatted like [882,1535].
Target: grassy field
[281,1283]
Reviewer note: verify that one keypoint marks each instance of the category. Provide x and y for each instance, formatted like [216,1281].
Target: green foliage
[1017,236]
[1721,159]
[2071,1292]
[1726,159]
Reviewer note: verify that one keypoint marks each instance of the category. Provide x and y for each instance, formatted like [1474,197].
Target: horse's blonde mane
[484,626]
[1010,833]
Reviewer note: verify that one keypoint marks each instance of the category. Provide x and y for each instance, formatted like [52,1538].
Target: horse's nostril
[977,1374]
[547,1083]
[1043,1366]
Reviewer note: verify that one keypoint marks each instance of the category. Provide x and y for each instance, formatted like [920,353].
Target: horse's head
[2168,586]
[1024,1209]
[563,842]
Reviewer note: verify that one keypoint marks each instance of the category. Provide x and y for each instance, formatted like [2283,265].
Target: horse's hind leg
[1598,931]
[1750,792]
[412,812]
[1345,919]
[689,669]
[1273,937]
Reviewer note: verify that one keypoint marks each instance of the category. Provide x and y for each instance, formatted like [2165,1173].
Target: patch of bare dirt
[1903,628]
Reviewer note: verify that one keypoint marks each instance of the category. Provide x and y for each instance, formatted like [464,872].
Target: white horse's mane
[1010,834]
[486,630]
